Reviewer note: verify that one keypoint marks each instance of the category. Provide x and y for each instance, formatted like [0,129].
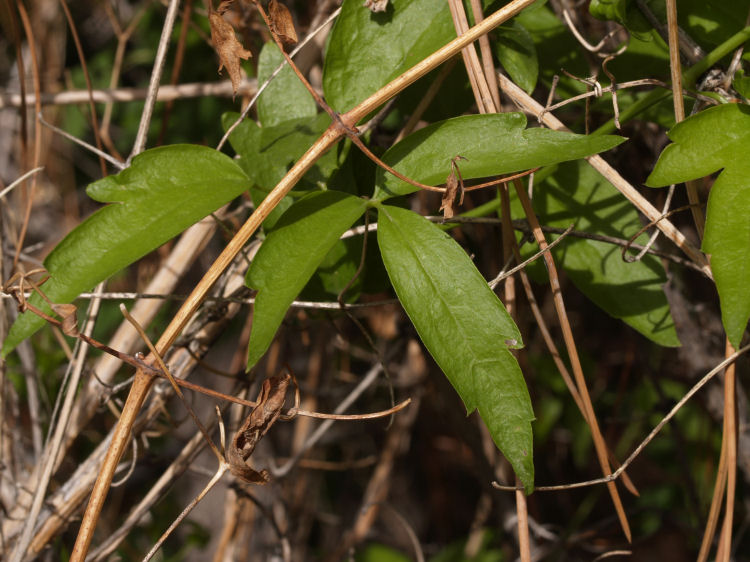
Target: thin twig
[111,159]
[153,87]
[20,180]
[506,274]
[87,77]
[221,89]
[223,467]
[585,44]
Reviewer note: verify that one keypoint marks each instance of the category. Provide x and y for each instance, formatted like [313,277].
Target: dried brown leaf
[67,314]
[230,50]
[376,5]
[454,184]
[261,418]
[449,195]
[281,22]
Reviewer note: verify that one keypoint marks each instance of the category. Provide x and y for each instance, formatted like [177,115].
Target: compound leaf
[464,326]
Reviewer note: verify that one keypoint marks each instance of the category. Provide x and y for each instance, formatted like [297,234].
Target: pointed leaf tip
[464,326]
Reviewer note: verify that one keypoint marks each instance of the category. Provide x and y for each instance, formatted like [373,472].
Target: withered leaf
[67,314]
[281,22]
[256,425]
[453,185]
[376,5]
[230,50]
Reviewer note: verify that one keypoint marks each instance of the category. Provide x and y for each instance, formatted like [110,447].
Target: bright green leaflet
[516,51]
[718,139]
[380,46]
[289,256]
[577,194]
[464,326]
[492,144]
[163,192]
[285,98]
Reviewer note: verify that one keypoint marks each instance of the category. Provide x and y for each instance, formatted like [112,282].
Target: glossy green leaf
[289,256]
[492,144]
[577,194]
[464,326]
[517,53]
[718,139]
[380,46]
[285,98]
[164,191]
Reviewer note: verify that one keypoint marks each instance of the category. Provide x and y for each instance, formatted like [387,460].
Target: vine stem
[143,381]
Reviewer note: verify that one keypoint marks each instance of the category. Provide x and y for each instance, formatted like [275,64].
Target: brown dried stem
[599,444]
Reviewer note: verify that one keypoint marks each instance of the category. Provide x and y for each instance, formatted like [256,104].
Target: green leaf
[285,98]
[741,83]
[710,22]
[718,139]
[624,12]
[380,46]
[615,10]
[577,194]
[339,267]
[290,255]
[464,326]
[164,191]
[492,144]
[516,51]
[269,152]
